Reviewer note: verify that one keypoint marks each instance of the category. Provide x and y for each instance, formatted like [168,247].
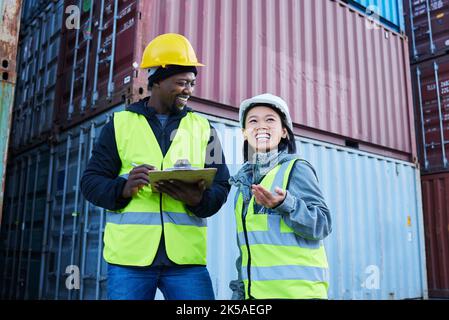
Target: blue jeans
[175,283]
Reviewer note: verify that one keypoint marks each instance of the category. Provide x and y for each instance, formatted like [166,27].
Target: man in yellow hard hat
[157,239]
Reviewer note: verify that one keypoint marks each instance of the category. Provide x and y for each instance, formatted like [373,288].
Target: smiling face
[176,90]
[263,129]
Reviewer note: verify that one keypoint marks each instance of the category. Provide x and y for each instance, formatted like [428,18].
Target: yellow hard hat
[169,49]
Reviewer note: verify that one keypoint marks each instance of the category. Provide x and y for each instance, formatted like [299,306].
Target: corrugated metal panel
[342,76]
[32,8]
[389,12]
[9,25]
[435,191]
[76,227]
[24,228]
[67,230]
[432,112]
[37,70]
[375,204]
[427,26]
[377,231]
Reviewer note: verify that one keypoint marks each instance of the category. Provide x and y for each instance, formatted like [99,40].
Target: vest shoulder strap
[202,122]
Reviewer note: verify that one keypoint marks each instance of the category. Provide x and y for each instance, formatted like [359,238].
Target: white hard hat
[266,98]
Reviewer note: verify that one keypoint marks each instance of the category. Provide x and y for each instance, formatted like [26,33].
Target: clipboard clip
[181,164]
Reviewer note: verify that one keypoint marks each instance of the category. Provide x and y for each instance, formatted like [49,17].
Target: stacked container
[346,79]
[37,74]
[24,224]
[387,12]
[428,31]
[110,31]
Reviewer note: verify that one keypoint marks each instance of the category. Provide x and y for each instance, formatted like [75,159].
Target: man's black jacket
[102,186]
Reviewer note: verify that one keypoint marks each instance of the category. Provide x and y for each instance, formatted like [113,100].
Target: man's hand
[265,198]
[137,179]
[188,193]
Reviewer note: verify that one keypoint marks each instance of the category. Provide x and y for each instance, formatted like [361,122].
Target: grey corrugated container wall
[37,75]
[32,8]
[23,224]
[75,229]
[374,201]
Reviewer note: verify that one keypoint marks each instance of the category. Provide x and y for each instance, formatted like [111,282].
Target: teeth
[183,98]
[263,136]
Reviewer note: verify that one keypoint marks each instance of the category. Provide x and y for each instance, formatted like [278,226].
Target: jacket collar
[245,175]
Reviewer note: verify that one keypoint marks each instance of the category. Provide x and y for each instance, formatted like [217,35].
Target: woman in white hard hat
[281,215]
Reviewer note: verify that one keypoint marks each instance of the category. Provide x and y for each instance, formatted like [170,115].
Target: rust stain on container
[9,22]
[435,191]
[9,25]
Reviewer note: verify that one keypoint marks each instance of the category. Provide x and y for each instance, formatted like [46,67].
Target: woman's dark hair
[288,143]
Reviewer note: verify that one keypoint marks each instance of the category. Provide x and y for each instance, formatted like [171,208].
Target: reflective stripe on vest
[132,235]
[280,263]
[154,218]
[288,272]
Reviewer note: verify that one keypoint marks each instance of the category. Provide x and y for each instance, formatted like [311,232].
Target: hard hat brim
[147,66]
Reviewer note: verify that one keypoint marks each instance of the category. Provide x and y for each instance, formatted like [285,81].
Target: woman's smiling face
[263,129]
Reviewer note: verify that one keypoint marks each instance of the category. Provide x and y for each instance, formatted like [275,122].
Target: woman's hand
[265,198]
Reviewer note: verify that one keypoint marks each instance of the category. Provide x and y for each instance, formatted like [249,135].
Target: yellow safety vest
[276,262]
[132,235]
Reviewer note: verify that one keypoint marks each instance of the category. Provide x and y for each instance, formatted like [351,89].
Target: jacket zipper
[248,267]
[162,147]
[160,195]
[160,209]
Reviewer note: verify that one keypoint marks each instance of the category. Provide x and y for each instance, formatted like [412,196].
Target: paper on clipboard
[191,175]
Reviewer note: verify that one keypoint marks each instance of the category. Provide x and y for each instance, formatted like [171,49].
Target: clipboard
[185,175]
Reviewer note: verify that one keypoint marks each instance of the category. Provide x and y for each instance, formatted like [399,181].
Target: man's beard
[174,109]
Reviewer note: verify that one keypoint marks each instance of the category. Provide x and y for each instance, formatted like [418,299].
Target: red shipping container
[427,26]
[432,113]
[88,83]
[435,191]
[346,79]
